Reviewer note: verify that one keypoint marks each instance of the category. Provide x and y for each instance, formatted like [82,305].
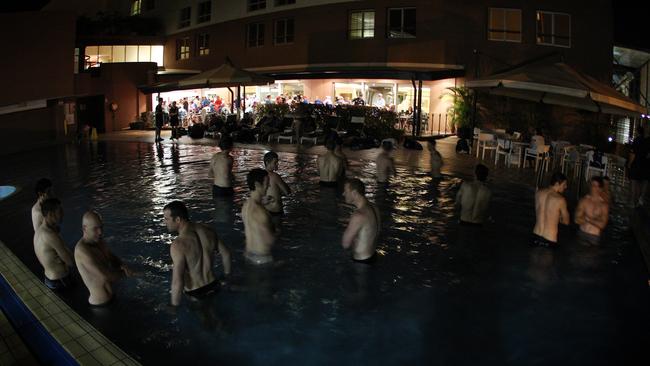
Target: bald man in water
[98,267]
[51,251]
[258,227]
[330,166]
[363,229]
[193,254]
[551,210]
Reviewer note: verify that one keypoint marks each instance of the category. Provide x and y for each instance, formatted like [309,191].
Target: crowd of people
[192,251]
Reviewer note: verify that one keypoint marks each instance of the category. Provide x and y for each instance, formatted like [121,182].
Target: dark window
[284,31]
[203,44]
[362,24]
[553,29]
[256,5]
[284,2]
[504,25]
[149,4]
[401,23]
[185,16]
[183,48]
[205,12]
[255,35]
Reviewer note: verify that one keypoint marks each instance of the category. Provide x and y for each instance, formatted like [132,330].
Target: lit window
[553,29]
[362,24]
[203,44]
[205,12]
[401,23]
[136,7]
[94,56]
[284,31]
[255,37]
[256,5]
[504,25]
[185,17]
[183,48]
[284,2]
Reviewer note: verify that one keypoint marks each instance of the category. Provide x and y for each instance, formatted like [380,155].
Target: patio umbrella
[224,76]
[559,84]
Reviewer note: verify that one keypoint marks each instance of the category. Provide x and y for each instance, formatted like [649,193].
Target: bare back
[474,199]
[550,210]
[258,228]
[331,167]
[385,167]
[277,188]
[52,252]
[197,247]
[221,169]
[37,216]
[364,227]
[94,266]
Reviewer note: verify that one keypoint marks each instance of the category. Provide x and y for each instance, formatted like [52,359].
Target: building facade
[317,48]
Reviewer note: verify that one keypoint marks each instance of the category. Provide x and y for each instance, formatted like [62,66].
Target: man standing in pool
[221,169]
[277,187]
[51,251]
[43,192]
[330,166]
[192,254]
[385,163]
[551,210]
[363,229]
[473,198]
[258,228]
[98,267]
[592,212]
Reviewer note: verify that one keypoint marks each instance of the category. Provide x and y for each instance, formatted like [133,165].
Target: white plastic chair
[590,168]
[514,156]
[539,153]
[503,148]
[486,140]
[287,135]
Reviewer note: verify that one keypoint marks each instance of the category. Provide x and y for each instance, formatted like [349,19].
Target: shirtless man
[221,169]
[192,254]
[277,187]
[338,151]
[330,166]
[385,163]
[363,229]
[258,228]
[592,212]
[551,210]
[473,198]
[50,249]
[98,267]
[43,192]
[435,159]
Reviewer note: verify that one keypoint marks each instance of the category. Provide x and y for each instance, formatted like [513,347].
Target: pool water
[440,293]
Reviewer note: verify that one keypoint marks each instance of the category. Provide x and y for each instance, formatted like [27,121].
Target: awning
[557,83]
[224,76]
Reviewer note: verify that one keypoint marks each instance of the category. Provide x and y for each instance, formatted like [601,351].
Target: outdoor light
[610,139]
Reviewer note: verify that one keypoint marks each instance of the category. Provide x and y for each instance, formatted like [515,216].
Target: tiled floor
[80,339]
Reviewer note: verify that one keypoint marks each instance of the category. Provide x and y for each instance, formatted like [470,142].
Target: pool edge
[66,329]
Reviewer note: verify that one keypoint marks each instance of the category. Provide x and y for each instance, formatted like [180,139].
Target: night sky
[630,27]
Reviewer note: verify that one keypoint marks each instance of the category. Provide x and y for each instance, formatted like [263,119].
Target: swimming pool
[438,294]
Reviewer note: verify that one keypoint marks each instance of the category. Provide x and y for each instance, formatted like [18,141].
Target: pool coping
[42,319]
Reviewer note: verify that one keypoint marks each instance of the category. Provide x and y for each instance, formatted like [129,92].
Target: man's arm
[210,168]
[580,213]
[391,166]
[351,232]
[225,256]
[178,270]
[459,195]
[565,219]
[35,219]
[284,188]
[61,250]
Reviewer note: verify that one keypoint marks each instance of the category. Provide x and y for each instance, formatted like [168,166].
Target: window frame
[257,25]
[181,20]
[388,29]
[363,30]
[203,18]
[257,4]
[552,34]
[202,47]
[179,48]
[275,31]
[505,30]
